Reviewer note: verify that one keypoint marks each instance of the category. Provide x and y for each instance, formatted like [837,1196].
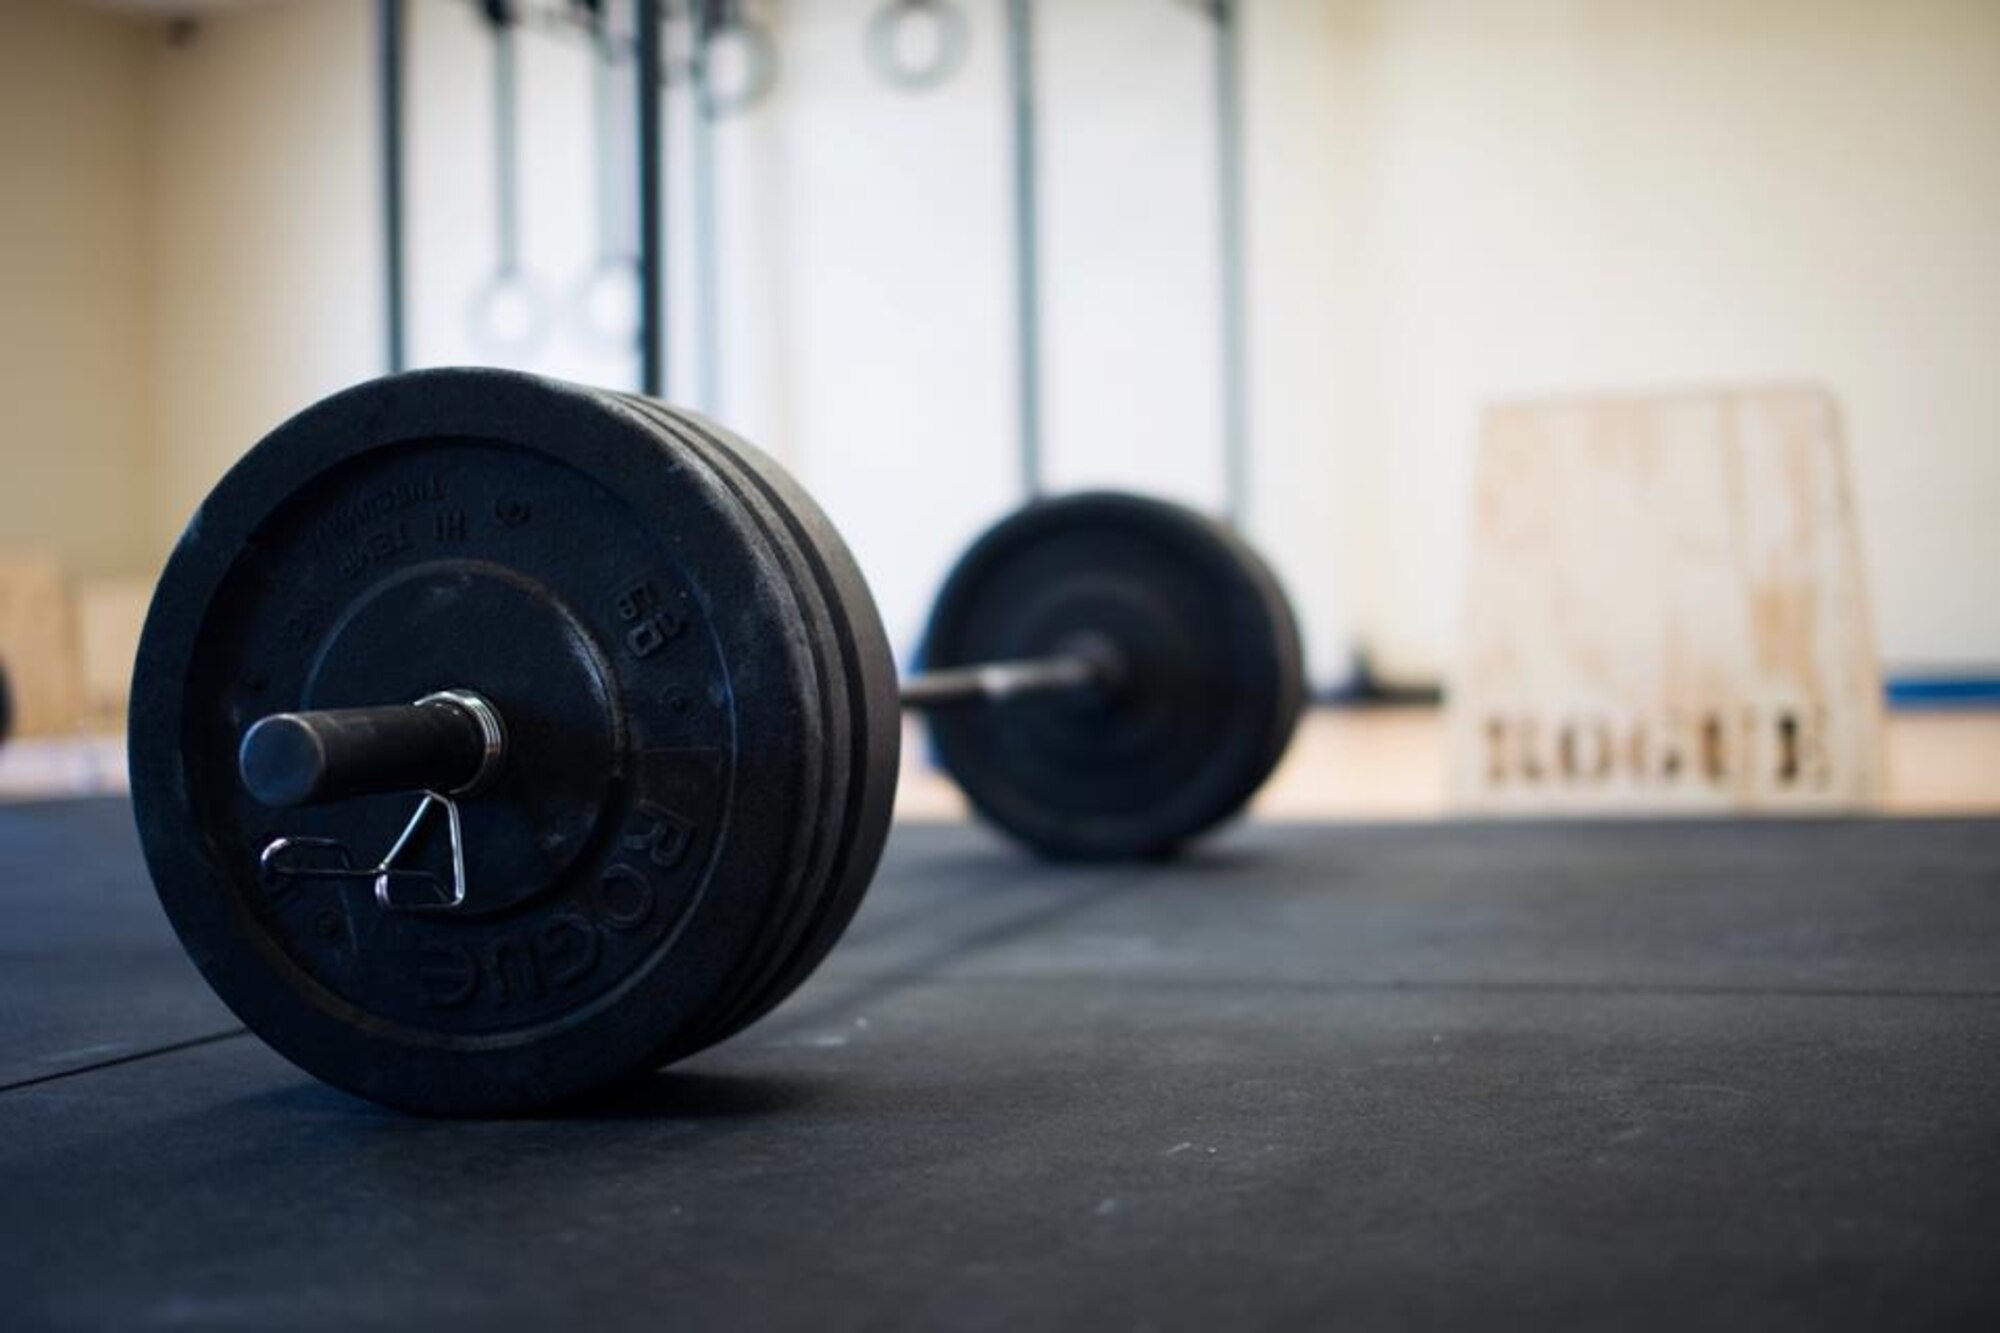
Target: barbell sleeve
[450,743]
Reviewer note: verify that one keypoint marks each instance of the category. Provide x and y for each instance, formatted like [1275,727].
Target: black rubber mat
[89,973]
[1471,1076]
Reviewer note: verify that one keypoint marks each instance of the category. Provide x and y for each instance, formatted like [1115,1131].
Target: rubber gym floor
[1459,1075]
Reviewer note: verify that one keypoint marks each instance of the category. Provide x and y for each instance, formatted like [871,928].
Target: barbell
[495,741]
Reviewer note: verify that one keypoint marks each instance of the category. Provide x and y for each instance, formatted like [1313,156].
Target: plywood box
[109,615]
[1665,611]
[37,644]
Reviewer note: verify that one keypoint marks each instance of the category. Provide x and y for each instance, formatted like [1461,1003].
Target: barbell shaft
[447,743]
[444,744]
[987,682]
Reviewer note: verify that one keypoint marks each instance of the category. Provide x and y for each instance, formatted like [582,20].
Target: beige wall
[72,285]
[187,256]
[266,268]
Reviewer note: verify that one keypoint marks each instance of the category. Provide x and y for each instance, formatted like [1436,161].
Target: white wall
[1451,201]
[73,466]
[1564,194]
[866,272]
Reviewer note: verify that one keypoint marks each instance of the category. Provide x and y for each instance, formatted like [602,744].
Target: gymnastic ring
[509,315]
[604,305]
[760,63]
[884,53]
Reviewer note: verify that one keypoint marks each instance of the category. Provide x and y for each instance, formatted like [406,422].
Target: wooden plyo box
[38,644]
[1665,611]
[109,615]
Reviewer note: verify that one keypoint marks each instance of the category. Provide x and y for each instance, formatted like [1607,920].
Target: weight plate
[867,738]
[1211,685]
[636,621]
[812,834]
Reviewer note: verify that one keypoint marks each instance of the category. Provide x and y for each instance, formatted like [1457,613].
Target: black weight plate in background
[1213,675]
[630,619]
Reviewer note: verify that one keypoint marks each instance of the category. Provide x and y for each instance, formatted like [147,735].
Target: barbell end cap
[282,761]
